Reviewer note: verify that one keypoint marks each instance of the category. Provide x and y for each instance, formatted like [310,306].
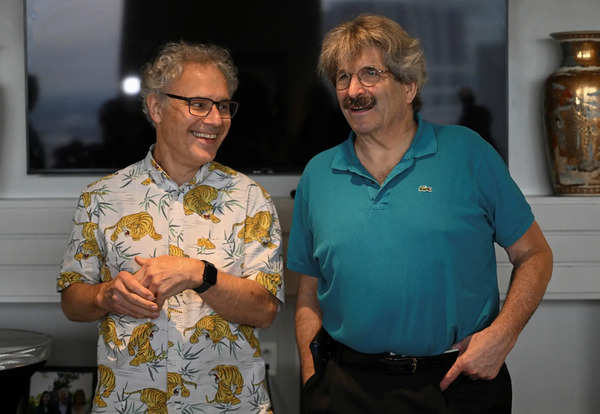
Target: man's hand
[480,356]
[166,276]
[127,296]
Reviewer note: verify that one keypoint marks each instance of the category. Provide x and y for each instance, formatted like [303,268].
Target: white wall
[555,360]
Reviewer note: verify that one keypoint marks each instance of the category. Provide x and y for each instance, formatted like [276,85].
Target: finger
[135,300]
[133,285]
[142,260]
[160,300]
[130,309]
[462,345]
[450,376]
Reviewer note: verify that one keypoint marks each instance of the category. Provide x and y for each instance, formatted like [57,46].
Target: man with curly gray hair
[393,233]
[178,256]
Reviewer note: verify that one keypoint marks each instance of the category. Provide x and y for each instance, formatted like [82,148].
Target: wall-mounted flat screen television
[84,117]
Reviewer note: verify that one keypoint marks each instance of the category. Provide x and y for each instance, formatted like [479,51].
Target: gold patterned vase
[572,112]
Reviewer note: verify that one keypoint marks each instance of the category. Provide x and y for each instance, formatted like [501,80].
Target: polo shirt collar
[423,144]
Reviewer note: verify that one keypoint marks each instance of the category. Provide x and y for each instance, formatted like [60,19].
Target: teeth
[204,135]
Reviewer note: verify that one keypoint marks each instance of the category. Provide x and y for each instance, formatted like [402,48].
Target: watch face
[209,277]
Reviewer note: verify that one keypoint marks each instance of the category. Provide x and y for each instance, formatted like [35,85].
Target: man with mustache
[393,232]
[161,256]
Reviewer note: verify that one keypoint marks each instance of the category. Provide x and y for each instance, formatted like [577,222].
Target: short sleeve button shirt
[189,359]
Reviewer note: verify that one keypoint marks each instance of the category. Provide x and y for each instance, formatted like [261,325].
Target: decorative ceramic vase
[572,112]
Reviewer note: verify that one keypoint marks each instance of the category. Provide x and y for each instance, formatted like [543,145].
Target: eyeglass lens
[368,76]
[203,106]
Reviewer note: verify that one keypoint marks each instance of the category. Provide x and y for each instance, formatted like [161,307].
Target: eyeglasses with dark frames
[201,107]
[367,76]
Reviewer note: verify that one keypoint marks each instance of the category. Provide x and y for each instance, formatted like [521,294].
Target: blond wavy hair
[401,53]
[168,66]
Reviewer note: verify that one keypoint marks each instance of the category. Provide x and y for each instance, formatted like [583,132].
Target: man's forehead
[365,56]
[201,79]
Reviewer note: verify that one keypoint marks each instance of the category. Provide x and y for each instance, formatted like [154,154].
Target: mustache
[365,101]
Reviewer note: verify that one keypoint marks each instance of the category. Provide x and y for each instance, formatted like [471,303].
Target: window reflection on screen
[79,52]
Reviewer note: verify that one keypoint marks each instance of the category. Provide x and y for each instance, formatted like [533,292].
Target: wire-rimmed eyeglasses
[201,107]
[367,76]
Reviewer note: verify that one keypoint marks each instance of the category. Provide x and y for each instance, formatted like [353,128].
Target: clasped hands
[142,294]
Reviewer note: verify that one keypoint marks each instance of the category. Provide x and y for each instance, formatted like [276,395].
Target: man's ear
[154,107]
[410,90]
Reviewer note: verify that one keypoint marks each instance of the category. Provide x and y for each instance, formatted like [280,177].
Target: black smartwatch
[209,277]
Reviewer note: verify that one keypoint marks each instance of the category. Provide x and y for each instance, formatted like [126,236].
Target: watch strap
[209,277]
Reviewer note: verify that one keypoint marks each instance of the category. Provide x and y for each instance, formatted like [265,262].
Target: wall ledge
[33,232]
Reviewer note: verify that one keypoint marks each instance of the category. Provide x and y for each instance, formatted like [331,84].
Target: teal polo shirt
[408,266]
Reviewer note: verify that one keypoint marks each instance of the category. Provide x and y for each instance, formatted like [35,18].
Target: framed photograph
[62,389]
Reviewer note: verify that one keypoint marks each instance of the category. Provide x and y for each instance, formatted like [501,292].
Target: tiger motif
[86,197]
[108,330]
[215,326]
[106,382]
[229,384]
[89,247]
[135,225]
[88,229]
[140,339]
[68,278]
[199,200]
[223,168]
[155,400]
[105,272]
[176,251]
[205,243]
[175,383]
[172,310]
[270,281]
[248,332]
[257,228]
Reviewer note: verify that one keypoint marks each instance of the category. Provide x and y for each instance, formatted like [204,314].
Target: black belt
[392,362]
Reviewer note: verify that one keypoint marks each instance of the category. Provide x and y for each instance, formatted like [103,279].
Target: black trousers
[347,388]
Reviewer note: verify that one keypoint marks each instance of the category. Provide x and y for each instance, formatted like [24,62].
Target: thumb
[450,376]
[142,260]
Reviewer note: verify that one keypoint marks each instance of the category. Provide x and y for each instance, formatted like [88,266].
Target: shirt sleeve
[508,210]
[263,259]
[300,257]
[83,257]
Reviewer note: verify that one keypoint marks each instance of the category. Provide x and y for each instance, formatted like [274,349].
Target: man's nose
[355,87]
[213,117]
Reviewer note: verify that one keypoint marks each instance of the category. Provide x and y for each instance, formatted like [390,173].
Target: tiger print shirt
[190,359]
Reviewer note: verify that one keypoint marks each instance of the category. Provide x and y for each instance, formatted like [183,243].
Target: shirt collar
[161,178]
[424,143]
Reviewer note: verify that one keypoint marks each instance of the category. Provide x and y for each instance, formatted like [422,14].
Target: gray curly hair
[401,53]
[168,66]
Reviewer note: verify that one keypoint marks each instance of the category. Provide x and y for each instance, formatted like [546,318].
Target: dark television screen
[79,53]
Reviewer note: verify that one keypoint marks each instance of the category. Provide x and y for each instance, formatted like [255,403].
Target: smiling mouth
[204,135]
[359,103]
